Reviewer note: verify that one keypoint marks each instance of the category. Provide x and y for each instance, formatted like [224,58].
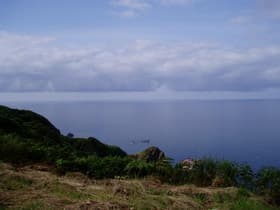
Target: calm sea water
[239,130]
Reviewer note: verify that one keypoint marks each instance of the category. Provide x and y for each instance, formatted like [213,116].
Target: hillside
[26,124]
[37,139]
[42,169]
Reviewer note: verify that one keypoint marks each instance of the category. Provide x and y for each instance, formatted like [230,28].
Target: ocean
[246,131]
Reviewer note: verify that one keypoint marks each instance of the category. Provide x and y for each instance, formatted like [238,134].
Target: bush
[16,150]
[108,167]
[226,174]
[245,176]
[164,171]
[268,182]
[139,168]
[179,175]
[95,167]
[203,172]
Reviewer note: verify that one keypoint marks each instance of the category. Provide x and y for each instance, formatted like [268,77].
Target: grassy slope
[30,130]
[36,187]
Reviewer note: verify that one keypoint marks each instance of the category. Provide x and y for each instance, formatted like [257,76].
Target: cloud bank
[29,63]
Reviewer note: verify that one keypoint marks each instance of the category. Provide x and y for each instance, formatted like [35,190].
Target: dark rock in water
[151,154]
[70,135]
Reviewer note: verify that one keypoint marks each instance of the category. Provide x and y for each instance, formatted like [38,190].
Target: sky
[127,46]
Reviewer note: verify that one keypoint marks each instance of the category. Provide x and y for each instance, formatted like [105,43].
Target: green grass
[242,193]
[14,183]
[69,192]
[247,204]
[200,197]
[35,205]
[222,197]
[150,202]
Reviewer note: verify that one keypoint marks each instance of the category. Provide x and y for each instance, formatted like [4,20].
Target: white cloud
[131,8]
[30,63]
[175,2]
[132,4]
[128,14]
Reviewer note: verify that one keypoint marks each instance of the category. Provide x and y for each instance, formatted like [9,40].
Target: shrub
[16,150]
[107,167]
[165,171]
[95,167]
[179,175]
[245,176]
[139,168]
[226,174]
[203,172]
[268,182]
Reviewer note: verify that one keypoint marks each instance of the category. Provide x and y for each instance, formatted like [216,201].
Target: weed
[14,182]
[245,204]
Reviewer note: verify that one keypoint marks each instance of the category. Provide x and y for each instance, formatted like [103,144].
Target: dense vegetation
[28,137]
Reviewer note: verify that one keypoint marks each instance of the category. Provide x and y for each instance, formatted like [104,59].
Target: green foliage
[242,193]
[179,175]
[27,124]
[96,167]
[226,173]
[165,171]
[268,181]
[246,204]
[245,176]
[203,172]
[67,191]
[16,149]
[201,197]
[220,197]
[13,149]
[28,137]
[139,168]
[108,167]
[92,146]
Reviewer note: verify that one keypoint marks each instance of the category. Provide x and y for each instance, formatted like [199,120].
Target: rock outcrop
[151,154]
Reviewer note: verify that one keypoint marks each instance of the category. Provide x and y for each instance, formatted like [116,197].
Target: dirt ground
[39,187]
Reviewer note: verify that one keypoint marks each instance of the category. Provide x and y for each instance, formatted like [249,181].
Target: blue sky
[139,45]
[90,21]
